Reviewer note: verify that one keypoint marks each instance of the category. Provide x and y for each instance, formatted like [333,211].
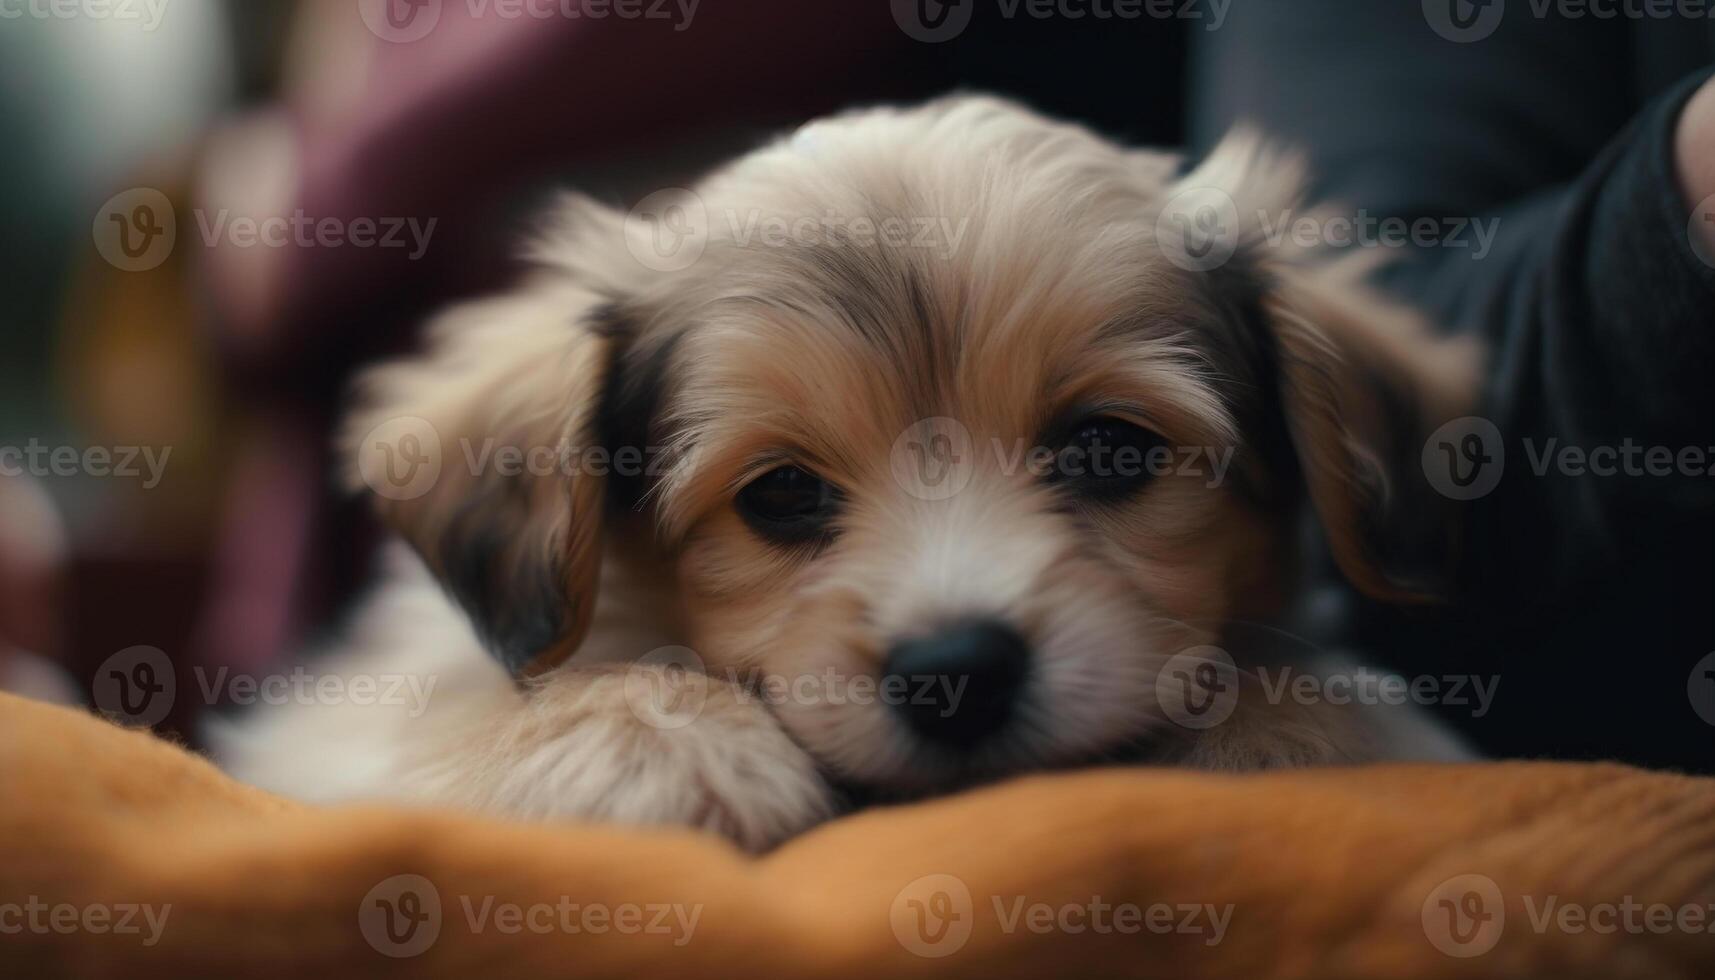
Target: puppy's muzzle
[958,686]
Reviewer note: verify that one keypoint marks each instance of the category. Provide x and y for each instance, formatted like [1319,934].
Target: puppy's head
[948,440]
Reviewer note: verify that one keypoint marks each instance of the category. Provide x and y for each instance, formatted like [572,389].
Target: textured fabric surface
[1333,873]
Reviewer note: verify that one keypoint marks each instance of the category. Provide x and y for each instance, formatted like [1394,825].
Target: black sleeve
[1600,320]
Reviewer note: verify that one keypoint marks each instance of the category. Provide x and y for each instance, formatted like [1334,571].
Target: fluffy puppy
[825,500]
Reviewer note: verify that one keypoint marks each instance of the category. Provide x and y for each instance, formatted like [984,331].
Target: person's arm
[1575,262]
[1696,158]
[1588,594]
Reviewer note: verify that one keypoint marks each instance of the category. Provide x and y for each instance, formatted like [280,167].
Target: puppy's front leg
[1273,729]
[1264,735]
[635,744]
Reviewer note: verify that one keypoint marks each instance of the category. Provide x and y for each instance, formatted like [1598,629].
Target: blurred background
[148,140]
[235,352]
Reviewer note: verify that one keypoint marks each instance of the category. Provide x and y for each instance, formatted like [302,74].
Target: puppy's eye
[788,505]
[1107,459]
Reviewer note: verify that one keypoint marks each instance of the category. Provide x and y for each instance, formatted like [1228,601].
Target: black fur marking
[625,416]
[514,597]
[514,588]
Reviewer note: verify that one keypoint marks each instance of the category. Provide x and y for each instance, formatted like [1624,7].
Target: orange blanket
[122,855]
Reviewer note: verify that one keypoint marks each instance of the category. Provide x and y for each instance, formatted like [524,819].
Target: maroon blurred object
[32,568]
[461,126]
[450,126]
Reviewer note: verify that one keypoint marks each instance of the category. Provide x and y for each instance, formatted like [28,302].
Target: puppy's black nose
[958,685]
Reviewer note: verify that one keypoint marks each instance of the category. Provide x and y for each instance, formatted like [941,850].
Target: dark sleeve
[1597,312]
[1600,319]
[1397,118]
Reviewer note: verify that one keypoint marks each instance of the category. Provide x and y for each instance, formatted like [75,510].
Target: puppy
[921,447]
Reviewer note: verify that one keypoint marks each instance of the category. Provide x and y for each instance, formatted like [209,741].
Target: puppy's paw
[635,745]
[1268,746]
[1281,736]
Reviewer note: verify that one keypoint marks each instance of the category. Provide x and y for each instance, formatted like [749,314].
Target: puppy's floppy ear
[499,410]
[1363,384]
[1362,381]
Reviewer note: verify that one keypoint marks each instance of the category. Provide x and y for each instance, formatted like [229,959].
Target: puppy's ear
[475,453]
[1363,384]
[1362,381]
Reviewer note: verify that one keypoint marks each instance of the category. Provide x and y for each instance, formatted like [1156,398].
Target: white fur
[567,746]
[1066,217]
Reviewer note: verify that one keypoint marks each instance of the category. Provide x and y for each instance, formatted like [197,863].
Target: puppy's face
[951,493]
[958,553]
